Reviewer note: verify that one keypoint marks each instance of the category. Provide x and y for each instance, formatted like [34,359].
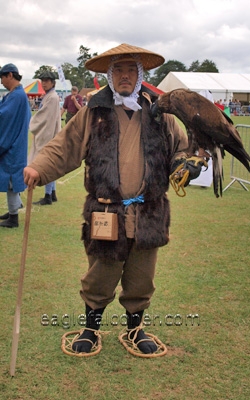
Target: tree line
[82,78]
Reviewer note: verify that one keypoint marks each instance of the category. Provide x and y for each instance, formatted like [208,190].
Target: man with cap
[14,125]
[44,125]
[129,156]
[72,104]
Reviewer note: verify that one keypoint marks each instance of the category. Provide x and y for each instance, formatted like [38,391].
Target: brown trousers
[136,275]
[68,117]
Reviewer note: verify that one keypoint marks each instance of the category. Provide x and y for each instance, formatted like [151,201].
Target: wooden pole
[16,327]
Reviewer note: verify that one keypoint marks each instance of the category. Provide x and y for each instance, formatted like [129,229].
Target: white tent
[222,85]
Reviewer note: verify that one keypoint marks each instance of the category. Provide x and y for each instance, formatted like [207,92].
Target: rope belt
[126,202]
[138,199]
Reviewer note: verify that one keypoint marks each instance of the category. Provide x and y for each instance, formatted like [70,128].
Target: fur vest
[102,180]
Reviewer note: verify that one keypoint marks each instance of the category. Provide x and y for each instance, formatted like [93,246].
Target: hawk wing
[208,128]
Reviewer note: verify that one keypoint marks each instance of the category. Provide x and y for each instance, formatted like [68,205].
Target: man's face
[47,84]
[125,75]
[6,80]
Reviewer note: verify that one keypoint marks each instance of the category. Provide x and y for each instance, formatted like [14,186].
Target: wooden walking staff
[16,327]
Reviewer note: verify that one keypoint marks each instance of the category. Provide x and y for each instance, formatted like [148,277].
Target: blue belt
[138,199]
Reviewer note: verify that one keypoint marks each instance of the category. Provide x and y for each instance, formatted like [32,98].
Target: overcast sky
[50,32]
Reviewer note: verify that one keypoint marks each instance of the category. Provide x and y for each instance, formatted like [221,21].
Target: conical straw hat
[128,52]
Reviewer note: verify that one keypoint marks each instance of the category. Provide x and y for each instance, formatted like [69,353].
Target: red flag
[97,86]
[152,87]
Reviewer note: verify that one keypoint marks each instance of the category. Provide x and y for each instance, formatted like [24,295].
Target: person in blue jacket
[14,125]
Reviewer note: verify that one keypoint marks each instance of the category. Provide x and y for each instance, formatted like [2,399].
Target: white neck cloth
[131,100]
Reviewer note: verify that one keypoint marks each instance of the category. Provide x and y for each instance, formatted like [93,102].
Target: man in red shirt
[72,104]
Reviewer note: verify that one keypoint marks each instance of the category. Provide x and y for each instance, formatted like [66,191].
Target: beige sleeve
[65,152]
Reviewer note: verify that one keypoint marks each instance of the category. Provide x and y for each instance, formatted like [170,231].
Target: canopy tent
[222,85]
[34,89]
[62,89]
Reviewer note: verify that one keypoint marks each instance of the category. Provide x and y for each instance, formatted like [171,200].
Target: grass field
[203,272]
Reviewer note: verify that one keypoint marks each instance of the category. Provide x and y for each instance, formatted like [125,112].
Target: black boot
[54,198]
[147,345]
[88,338]
[5,216]
[11,222]
[47,199]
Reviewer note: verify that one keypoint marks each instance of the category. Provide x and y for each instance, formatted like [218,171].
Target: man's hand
[31,177]
[194,165]
[184,171]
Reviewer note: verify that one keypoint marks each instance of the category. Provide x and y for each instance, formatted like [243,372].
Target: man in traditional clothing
[44,125]
[128,157]
[14,125]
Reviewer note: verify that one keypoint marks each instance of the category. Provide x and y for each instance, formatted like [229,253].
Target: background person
[44,125]
[128,158]
[72,104]
[14,124]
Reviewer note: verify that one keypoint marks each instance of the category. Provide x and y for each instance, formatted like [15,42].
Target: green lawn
[204,271]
